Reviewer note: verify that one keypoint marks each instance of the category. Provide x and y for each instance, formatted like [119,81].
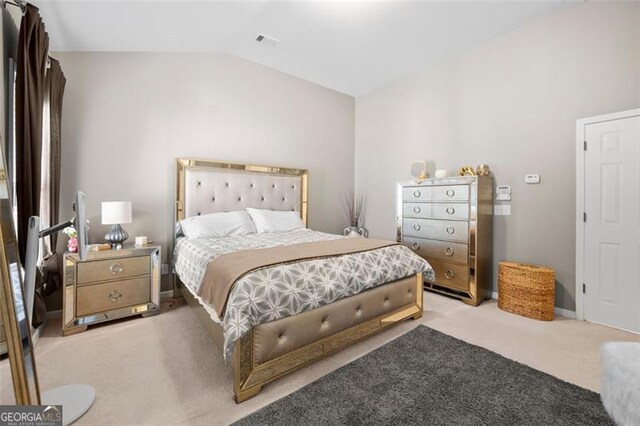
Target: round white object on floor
[75,400]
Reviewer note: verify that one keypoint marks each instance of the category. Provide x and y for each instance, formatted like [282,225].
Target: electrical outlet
[164,269]
[502,209]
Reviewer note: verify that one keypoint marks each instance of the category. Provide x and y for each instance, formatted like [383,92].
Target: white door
[612,228]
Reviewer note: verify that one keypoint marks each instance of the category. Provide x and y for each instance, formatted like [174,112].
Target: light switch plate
[164,269]
[502,210]
[533,178]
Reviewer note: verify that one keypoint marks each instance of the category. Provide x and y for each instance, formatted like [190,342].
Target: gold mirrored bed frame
[272,350]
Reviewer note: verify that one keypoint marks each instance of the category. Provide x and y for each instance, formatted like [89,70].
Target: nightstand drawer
[105,297]
[111,269]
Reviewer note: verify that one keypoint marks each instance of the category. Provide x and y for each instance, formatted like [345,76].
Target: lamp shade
[116,212]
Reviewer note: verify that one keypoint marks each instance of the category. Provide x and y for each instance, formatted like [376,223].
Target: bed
[290,298]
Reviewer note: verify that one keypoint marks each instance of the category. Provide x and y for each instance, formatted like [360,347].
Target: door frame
[581,126]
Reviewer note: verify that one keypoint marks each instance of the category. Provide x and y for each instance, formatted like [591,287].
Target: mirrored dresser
[108,285]
[449,222]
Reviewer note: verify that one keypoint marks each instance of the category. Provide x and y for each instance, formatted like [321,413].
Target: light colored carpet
[165,369]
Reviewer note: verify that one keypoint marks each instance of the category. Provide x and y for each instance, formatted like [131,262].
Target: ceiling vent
[267,40]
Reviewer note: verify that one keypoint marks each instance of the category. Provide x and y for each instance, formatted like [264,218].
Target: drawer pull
[415,246]
[416,209]
[115,295]
[448,251]
[449,274]
[416,193]
[450,192]
[416,226]
[450,210]
[450,229]
[116,268]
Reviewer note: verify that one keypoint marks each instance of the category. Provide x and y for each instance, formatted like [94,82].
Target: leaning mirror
[15,320]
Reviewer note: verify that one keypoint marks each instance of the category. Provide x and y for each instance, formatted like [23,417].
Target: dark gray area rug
[427,377]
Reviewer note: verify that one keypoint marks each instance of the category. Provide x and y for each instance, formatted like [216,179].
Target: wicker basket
[526,290]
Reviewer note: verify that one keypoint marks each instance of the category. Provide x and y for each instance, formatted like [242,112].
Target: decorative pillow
[275,221]
[218,225]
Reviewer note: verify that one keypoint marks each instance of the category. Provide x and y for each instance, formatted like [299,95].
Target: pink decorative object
[72,245]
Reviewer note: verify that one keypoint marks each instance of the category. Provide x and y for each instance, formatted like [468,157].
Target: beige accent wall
[128,116]
[511,103]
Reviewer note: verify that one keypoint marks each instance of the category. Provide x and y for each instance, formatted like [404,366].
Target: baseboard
[166,295]
[54,314]
[556,310]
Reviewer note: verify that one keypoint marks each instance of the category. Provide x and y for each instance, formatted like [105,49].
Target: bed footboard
[280,347]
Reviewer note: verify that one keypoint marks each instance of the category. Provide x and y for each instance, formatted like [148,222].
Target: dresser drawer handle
[416,193]
[451,210]
[451,192]
[448,251]
[415,246]
[449,274]
[116,268]
[416,226]
[416,209]
[115,295]
[450,229]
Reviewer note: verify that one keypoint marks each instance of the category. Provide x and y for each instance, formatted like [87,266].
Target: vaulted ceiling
[352,47]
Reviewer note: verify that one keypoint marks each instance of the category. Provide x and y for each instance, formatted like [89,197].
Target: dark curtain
[33,48]
[55,82]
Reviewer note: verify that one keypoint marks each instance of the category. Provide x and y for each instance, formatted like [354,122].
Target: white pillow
[275,221]
[218,225]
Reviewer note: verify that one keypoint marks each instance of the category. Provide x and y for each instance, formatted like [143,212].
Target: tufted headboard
[209,187]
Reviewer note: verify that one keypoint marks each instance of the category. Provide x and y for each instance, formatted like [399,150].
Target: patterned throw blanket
[283,290]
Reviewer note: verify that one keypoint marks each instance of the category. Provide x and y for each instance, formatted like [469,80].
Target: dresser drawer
[452,211]
[448,230]
[95,298]
[102,270]
[418,210]
[451,193]
[417,193]
[451,275]
[443,250]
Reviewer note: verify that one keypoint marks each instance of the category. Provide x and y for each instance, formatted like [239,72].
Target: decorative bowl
[441,173]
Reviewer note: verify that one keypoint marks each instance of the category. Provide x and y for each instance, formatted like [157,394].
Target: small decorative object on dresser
[449,222]
[467,171]
[116,213]
[108,285]
[441,173]
[483,170]
[419,170]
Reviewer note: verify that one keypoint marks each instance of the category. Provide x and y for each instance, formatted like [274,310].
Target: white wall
[511,103]
[128,116]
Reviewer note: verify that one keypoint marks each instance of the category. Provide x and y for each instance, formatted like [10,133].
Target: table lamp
[116,213]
